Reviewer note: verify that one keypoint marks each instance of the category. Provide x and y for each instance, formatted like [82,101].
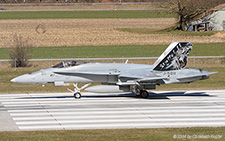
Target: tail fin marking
[174,57]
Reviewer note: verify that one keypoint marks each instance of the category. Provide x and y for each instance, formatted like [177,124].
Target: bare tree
[20,51]
[189,10]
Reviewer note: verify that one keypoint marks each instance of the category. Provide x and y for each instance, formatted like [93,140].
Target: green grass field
[163,134]
[86,14]
[213,49]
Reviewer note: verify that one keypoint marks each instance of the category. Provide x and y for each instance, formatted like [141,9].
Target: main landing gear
[76,92]
[144,94]
[139,91]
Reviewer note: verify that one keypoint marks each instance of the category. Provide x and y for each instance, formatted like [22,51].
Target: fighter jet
[169,68]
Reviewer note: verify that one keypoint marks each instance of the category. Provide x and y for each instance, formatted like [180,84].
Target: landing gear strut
[76,92]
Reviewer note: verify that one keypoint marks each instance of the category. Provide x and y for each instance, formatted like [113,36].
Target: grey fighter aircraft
[121,77]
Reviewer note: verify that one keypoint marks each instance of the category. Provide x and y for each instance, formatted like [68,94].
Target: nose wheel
[76,92]
[77,95]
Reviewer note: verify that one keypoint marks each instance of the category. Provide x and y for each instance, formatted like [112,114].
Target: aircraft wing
[140,79]
[150,79]
[135,78]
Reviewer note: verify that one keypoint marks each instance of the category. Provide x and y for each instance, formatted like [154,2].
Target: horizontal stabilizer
[196,75]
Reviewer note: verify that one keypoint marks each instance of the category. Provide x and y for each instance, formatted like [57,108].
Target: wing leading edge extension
[73,73]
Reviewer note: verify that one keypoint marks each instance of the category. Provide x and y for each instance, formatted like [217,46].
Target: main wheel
[77,95]
[144,94]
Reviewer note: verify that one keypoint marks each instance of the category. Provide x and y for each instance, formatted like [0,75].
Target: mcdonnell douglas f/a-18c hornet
[121,77]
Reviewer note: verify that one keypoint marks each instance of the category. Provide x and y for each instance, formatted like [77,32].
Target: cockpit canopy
[65,64]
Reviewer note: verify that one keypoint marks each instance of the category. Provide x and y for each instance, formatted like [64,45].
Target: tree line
[188,10]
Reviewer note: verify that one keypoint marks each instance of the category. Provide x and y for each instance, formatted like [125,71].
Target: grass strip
[86,14]
[208,49]
[163,134]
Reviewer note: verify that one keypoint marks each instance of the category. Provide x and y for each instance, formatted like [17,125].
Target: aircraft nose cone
[21,79]
[13,80]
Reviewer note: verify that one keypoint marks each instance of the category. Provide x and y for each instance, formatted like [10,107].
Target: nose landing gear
[76,92]
[77,95]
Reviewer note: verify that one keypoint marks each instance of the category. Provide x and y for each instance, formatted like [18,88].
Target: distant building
[214,21]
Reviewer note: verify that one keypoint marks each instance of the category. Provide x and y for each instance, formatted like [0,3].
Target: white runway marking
[53,111]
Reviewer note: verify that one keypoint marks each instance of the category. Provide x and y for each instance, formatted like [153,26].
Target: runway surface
[163,109]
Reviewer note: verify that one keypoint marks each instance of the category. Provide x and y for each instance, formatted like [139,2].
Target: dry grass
[83,32]
[220,34]
[85,6]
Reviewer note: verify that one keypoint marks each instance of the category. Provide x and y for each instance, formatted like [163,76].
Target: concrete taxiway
[163,109]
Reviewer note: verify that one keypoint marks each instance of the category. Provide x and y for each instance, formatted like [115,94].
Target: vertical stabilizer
[174,57]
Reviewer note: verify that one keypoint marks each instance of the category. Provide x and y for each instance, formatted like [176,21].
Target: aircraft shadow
[86,96]
[165,95]
[152,95]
